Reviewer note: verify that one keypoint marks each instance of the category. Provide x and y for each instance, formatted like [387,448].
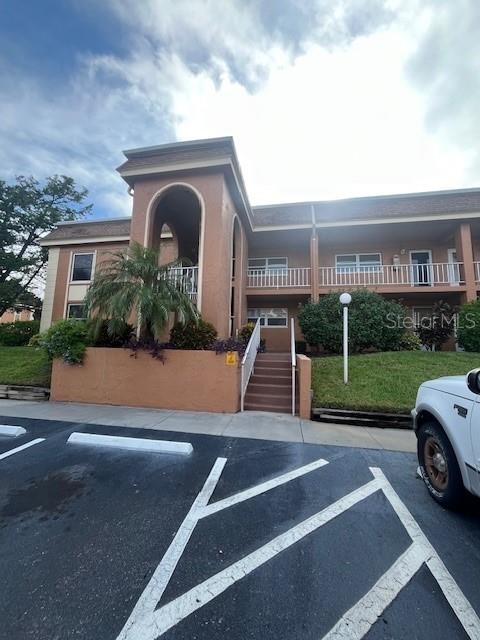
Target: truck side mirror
[473,380]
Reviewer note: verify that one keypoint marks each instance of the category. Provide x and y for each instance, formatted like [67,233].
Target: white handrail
[279,278]
[437,273]
[294,361]
[248,361]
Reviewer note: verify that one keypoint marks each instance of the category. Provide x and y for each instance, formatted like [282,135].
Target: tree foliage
[468,334]
[436,329]
[374,323]
[29,209]
[132,283]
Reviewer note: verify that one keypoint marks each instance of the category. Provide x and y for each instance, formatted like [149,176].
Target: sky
[324,98]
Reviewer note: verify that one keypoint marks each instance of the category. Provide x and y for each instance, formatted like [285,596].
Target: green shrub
[18,334]
[468,333]
[436,329]
[245,332]
[409,342]
[66,339]
[105,333]
[193,335]
[374,323]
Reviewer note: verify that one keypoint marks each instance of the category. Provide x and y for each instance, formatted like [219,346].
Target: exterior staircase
[270,385]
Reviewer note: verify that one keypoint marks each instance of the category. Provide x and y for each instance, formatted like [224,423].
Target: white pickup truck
[446,420]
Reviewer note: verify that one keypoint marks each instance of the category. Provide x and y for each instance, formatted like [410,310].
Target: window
[268,264]
[269,317]
[76,312]
[358,262]
[82,264]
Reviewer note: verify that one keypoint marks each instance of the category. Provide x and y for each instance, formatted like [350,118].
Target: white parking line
[260,488]
[11,452]
[161,577]
[149,623]
[452,592]
[358,620]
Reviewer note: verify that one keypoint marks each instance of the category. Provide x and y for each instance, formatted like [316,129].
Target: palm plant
[132,283]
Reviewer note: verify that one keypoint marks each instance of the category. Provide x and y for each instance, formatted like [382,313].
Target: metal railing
[186,278]
[477,271]
[279,278]
[248,361]
[294,361]
[415,275]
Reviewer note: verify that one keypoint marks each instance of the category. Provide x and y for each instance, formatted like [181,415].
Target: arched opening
[174,228]
[177,212]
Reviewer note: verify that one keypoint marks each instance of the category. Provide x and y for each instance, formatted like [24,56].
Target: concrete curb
[135,444]
[22,392]
[12,431]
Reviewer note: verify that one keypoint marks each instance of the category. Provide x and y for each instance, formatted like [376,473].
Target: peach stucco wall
[63,276]
[188,380]
[216,252]
[304,385]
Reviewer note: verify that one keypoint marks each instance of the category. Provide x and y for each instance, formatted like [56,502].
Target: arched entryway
[174,227]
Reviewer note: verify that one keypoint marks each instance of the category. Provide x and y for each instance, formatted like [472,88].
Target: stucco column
[464,248]
[314,266]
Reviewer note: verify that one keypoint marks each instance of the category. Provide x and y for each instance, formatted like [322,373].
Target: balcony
[283,278]
[186,278]
[405,275]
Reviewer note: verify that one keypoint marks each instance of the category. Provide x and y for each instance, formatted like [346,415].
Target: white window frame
[358,267]
[265,318]
[267,267]
[72,266]
[74,304]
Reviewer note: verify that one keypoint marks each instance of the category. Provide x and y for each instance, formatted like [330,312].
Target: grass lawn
[383,381]
[24,365]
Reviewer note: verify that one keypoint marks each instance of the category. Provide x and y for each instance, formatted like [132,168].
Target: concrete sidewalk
[251,424]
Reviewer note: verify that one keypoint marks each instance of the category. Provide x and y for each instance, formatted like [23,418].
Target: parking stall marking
[11,452]
[146,622]
[142,616]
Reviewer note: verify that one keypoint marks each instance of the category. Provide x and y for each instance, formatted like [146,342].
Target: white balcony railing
[186,278]
[477,271]
[415,275]
[279,278]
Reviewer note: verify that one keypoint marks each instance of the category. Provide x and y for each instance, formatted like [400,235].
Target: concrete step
[285,381]
[262,399]
[274,356]
[269,389]
[251,406]
[284,367]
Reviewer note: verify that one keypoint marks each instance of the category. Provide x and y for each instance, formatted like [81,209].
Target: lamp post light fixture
[345,300]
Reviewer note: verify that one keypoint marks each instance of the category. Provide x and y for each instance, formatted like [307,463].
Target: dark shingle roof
[114,227]
[375,207]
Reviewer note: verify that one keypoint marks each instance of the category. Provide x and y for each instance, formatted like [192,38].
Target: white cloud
[318,99]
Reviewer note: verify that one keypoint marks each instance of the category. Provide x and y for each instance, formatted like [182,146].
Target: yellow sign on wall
[231,357]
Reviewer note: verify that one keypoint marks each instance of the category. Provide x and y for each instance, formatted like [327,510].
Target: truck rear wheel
[439,466]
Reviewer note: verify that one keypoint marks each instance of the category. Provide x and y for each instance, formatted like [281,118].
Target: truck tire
[439,466]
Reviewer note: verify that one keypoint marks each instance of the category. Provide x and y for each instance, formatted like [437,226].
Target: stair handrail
[294,361]
[248,361]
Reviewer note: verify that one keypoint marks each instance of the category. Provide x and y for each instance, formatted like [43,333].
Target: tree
[469,326]
[29,209]
[133,283]
[436,329]
[374,322]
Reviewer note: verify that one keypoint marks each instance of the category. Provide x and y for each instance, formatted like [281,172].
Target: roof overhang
[202,155]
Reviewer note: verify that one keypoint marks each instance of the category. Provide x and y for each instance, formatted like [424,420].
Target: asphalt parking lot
[241,539]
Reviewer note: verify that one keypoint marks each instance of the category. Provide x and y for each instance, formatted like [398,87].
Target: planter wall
[186,380]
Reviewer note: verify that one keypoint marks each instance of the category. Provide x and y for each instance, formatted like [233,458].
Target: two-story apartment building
[248,262]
